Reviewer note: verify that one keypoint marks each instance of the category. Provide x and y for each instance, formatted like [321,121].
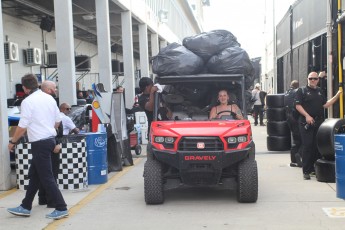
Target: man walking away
[39,118]
[259,97]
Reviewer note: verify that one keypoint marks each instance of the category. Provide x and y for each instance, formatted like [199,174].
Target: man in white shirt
[67,123]
[259,97]
[49,87]
[39,118]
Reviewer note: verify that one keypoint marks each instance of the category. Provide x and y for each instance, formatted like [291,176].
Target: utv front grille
[200,144]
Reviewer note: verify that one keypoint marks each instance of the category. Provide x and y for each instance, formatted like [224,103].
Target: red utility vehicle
[190,149]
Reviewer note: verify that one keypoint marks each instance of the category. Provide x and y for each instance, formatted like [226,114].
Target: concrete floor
[286,201]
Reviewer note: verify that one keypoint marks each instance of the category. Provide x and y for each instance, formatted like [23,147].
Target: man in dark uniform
[292,120]
[146,99]
[310,103]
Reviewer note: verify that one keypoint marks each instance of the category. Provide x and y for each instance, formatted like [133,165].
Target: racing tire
[275,100]
[247,179]
[275,114]
[278,143]
[137,150]
[153,182]
[149,154]
[325,137]
[278,128]
[325,171]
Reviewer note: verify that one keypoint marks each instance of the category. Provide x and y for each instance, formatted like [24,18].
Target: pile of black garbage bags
[215,52]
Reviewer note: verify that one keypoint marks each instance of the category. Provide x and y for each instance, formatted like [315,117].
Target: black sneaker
[262,125]
[298,160]
[293,164]
[306,176]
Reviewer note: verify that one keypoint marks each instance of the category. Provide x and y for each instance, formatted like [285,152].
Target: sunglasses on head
[313,78]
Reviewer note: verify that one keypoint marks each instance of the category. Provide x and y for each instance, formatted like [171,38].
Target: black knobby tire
[325,137]
[325,171]
[247,179]
[275,114]
[278,128]
[275,100]
[149,153]
[278,143]
[153,182]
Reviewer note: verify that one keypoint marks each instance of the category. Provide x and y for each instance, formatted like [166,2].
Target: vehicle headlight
[159,139]
[164,140]
[242,139]
[239,139]
[169,140]
[232,140]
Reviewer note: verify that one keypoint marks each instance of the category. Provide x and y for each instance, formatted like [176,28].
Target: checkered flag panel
[23,159]
[72,168]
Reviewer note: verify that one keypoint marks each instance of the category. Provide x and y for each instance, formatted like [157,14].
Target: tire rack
[279,137]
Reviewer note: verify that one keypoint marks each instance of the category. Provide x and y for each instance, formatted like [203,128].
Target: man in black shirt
[146,99]
[310,103]
[292,121]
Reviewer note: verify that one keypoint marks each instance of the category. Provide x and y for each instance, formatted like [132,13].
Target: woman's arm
[237,111]
[213,113]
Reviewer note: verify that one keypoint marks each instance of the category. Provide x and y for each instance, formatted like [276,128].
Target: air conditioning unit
[51,60]
[33,56]
[11,52]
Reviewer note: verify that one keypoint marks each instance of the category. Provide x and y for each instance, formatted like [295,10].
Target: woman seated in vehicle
[224,109]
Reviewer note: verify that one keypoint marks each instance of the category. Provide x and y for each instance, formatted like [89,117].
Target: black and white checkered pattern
[72,167]
[23,162]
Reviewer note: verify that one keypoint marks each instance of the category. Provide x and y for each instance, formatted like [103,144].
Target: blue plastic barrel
[339,146]
[97,163]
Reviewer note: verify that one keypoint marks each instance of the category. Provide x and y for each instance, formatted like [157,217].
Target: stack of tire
[325,167]
[278,131]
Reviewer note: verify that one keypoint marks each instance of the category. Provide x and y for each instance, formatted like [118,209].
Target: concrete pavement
[286,201]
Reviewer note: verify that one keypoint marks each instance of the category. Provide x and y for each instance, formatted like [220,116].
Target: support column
[65,51]
[128,63]
[144,51]
[162,44]
[154,47]
[5,170]
[103,44]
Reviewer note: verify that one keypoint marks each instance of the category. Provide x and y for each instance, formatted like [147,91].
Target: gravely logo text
[199,158]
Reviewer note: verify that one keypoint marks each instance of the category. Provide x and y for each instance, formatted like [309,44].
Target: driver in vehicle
[224,109]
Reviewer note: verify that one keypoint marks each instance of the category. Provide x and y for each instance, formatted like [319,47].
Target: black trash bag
[232,60]
[207,44]
[176,59]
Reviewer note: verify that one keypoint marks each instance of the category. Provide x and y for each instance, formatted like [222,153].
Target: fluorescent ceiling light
[88,17]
